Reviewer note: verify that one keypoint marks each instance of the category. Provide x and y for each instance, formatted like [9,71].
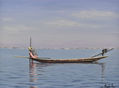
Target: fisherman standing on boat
[104,51]
[32,53]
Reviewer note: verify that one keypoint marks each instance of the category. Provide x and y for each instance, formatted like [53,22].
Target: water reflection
[105,84]
[36,69]
[102,65]
[102,72]
[32,74]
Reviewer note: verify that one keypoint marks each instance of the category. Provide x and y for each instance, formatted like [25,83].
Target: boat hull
[81,60]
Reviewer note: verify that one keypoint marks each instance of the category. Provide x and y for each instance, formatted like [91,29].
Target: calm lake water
[17,73]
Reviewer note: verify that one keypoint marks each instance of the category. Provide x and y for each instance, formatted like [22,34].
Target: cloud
[93,14]
[63,23]
[7,19]
[70,24]
[85,19]
[14,28]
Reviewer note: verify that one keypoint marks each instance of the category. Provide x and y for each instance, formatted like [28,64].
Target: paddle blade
[21,56]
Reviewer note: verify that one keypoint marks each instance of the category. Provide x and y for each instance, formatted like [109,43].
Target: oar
[103,53]
[21,56]
[28,57]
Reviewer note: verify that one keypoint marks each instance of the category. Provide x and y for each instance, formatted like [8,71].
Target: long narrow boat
[73,60]
[81,60]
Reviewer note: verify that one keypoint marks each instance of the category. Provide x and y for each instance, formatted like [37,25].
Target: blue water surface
[18,73]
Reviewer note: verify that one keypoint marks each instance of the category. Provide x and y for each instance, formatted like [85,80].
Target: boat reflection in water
[36,69]
[103,72]
[33,73]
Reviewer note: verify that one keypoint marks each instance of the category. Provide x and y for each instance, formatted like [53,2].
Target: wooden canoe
[81,60]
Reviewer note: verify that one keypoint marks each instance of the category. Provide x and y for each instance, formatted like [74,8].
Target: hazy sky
[59,23]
